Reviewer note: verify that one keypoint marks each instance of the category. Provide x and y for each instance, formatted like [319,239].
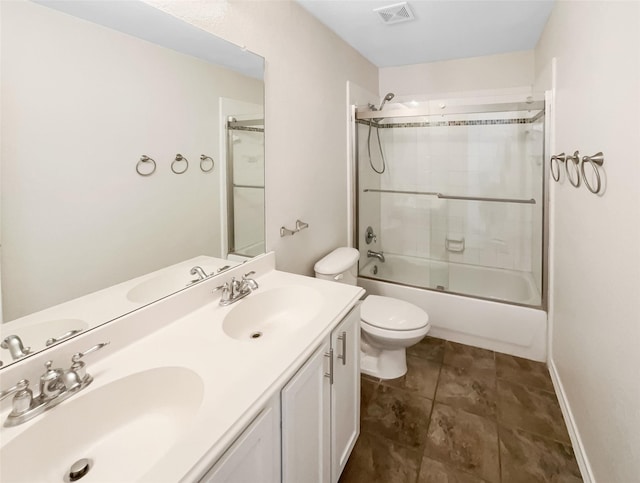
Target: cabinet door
[255,455]
[306,404]
[345,393]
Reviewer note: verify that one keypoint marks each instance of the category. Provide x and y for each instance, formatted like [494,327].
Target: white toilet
[388,326]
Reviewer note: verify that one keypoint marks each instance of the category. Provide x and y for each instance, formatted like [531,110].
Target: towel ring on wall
[596,161]
[558,158]
[179,158]
[145,159]
[203,162]
[575,159]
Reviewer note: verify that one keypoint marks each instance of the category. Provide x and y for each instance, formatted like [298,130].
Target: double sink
[162,408]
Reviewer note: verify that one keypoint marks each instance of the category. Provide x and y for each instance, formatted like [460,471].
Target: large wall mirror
[132,152]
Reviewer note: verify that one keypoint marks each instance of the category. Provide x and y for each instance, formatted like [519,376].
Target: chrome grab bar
[454,197]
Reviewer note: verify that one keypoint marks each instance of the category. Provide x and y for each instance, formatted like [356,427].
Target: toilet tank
[341,265]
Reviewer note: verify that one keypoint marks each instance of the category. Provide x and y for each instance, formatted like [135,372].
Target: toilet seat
[389,314]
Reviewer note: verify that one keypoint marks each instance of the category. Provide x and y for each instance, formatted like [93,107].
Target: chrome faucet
[56,386]
[237,289]
[15,347]
[197,270]
[379,255]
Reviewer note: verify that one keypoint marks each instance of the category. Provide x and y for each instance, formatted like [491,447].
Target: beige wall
[490,72]
[306,74]
[595,298]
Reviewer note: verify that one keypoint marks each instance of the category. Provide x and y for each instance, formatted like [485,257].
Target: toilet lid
[393,314]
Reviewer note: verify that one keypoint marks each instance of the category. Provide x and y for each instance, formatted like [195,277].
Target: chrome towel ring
[179,158]
[143,160]
[558,158]
[595,161]
[575,160]
[203,163]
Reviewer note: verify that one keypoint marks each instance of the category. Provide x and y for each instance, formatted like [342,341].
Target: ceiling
[441,30]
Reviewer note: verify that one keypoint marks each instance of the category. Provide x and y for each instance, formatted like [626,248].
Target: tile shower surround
[462,414]
[482,157]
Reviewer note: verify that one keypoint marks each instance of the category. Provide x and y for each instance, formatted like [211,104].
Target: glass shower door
[245,186]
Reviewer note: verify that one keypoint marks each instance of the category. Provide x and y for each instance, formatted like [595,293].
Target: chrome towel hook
[203,162]
[558,158]
[179,158]
[575,159]
[143,160]
[596,161]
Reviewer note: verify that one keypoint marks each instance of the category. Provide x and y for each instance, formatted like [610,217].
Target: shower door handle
[343,338]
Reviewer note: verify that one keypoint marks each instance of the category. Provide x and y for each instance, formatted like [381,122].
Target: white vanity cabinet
[345,393]
[320,408]
[255,455]
[308,431]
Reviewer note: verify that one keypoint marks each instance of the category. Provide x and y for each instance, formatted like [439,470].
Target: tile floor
[462,415]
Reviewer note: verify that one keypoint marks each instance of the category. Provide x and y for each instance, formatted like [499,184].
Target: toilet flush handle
[338,277]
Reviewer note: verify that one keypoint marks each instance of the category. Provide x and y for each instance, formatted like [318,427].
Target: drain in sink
[79,469]
[256,335]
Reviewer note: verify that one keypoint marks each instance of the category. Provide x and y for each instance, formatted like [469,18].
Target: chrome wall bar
[431,193]
[246,123]
[530,201]
[248,186]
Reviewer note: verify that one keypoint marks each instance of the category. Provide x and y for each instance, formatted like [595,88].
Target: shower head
[387,98]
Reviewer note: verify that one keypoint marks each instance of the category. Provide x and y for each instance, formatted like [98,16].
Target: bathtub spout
[379,255]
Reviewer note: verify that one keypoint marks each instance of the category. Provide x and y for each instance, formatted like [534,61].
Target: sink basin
[278,310]
[123,428]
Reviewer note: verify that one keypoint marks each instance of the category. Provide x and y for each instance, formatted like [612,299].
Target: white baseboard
[574,434]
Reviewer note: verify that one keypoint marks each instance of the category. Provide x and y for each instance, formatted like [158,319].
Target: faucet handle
[249,282]
[78,366]
[226,291]
[22,399]
[22,385]
[78,355]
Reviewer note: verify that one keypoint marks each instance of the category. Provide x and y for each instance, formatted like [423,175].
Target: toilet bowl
[387,325]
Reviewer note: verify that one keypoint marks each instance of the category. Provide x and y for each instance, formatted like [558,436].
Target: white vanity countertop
[239,376]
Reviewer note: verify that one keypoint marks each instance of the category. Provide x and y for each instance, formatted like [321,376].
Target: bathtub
[483,322]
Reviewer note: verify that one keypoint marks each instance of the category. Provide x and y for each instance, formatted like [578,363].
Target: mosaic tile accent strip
[479,122]
[245,128]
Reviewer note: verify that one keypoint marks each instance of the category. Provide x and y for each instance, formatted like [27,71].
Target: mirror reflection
[131,167]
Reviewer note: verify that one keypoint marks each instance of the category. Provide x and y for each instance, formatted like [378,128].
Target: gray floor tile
[465,441]
[421,377]
[466,356]
[523,371]
[428,348]
[527,458]
[378,460]
[433,471]
[531,409]
[396,414]
[468,389]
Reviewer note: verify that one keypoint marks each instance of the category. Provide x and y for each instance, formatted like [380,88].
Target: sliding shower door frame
[544,105]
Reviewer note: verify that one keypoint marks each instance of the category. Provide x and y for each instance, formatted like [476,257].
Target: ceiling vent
[396,13]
